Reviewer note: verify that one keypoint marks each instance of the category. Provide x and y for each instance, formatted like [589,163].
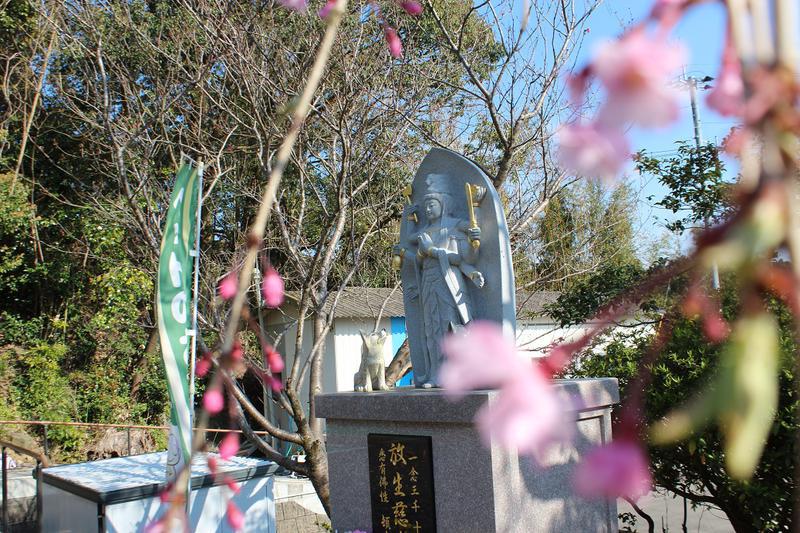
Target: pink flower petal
[237,353]
[228,286]
[727,97]
[229,446]
[274,360]
[294,5]
[235,517]
[326,9]
[392,39]
[203,366]
[618,469]
[157,526]
[275,384]
[636,71]
[527,416]
[411,7]
[212,464]
[479,357]
[592,150]
[272,288]
[715,327]
[213,401]
[233,486]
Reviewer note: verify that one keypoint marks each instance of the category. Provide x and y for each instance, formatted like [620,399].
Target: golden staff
[407,190]
[475,194]
[397,259]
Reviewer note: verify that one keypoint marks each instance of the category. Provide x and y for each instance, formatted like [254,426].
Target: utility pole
[698,142]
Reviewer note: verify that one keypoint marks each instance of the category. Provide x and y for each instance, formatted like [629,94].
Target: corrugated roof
[366,302]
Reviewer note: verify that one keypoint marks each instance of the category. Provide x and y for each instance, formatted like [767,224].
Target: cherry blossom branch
[299,114]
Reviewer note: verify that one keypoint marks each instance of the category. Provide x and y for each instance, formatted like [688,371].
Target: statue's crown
[437,184]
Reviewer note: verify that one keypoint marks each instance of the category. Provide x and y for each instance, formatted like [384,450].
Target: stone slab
[477,487]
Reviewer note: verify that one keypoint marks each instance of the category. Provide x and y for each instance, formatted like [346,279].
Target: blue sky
[702,32]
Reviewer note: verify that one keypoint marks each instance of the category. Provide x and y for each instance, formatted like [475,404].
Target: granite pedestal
[477,488]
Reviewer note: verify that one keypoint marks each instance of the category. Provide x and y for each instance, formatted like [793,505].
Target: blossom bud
[272,288]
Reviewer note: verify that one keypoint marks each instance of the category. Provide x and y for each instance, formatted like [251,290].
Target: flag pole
[195,298]
[195,284]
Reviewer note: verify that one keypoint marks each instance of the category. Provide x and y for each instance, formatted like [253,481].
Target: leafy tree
[696,468]
[698,193]
[587,228]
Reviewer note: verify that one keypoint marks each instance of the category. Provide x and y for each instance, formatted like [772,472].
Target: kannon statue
[444,254]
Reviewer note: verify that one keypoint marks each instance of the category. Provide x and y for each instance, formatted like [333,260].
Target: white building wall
[537,336]
[286,347]
[347,347]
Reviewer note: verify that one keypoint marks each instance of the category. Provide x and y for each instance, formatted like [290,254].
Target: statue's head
[432,206]
[435,202]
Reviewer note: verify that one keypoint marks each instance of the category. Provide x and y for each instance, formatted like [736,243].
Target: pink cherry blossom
[636,71]
[479,357]
[727,98]
[527,416]
[274,383]
[212,464]
[228,286]
[237,353]
[618,469]
[233,486]
[592,150]
[213,401]
[235,517]
[411,7]
[272,288]
[715,327]
[203,366]
[736,141]
[392,39]
[229,446]
[294,5]
[326,9]
[668,12]
[157,526]
[274,360]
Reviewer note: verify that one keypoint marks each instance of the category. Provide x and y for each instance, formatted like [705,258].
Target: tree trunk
[317,458]
[400,365]
[140,366]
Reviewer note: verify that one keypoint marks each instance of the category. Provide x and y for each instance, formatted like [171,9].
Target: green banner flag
[174,311]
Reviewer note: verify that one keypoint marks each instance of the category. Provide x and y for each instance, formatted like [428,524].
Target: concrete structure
[122,494]
[476,488]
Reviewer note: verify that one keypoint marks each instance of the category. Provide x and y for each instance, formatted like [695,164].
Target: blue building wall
[398,337]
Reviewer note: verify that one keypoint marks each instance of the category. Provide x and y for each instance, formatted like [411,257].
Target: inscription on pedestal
[401,483]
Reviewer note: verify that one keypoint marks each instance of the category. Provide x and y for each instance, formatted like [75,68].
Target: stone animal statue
[371,374]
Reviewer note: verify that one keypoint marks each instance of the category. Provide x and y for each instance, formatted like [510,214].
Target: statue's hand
[474,234]
[425,242]
[477,279]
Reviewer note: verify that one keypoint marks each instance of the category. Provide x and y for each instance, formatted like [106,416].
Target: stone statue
[454,256]
[371,373]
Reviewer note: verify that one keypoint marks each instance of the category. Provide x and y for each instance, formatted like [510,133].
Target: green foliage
[582,229]
[697,465]
[586,296]
[694,177]
[47,394]
[17,18]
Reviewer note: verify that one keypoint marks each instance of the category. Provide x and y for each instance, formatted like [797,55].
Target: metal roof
[366,302]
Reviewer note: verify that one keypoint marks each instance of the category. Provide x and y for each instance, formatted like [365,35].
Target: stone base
[476,488]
